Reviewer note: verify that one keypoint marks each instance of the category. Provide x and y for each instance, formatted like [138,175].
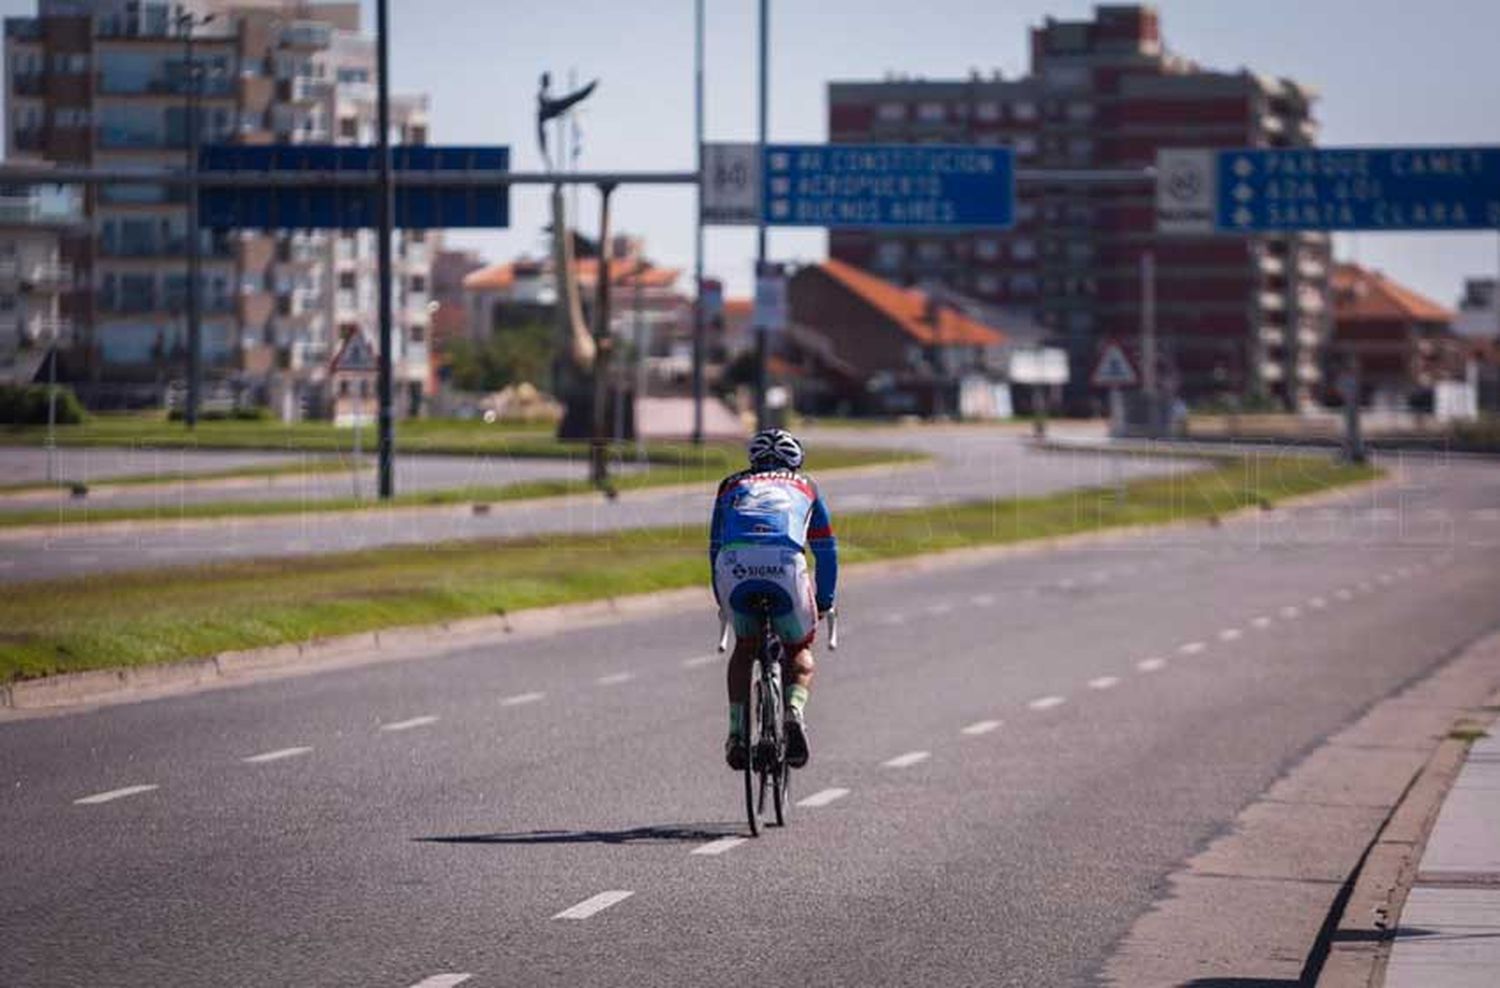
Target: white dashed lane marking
[1291,613]
[823,797]
[1261,622]
[615,679]
[113,794]
[1047,702]
[980,727]
[1191,648]
[907,760]
[1343,594]
[442,981]
[1104,682]
[720,846]
[1151,665]
[520,698]
[982,599]
[895,618]
[1230,634]
[699,660]
[940,608]
[1317,603]
[594,904]
[1067,584]
[276,756]
[406,725]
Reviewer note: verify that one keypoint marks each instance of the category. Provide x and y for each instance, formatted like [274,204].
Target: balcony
[173,85]
[28,84]
[40,327]
[303,89]
[216,248]
[30,139]
[42,276]
[1270,371]
[1272,301]
[1272,265]
[1312,268]
[1272,335]
[125,139]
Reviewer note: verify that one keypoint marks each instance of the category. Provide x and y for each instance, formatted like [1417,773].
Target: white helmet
[773,448]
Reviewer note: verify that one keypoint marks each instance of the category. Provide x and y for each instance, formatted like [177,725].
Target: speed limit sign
[731,184]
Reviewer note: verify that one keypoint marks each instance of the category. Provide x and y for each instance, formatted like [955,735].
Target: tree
[508,356]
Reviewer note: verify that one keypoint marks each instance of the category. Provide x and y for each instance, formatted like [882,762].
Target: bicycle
[766,770]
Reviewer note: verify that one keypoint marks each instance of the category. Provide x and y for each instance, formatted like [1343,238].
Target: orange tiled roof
[622,271]
[1363,295]
[491,277]
[908,308]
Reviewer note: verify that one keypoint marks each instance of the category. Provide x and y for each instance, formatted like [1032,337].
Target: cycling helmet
[775,448]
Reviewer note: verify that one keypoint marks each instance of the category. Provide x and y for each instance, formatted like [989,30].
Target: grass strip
[154,616]
[678,465]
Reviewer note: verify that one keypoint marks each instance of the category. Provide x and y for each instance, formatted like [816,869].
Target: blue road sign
[314,206]
[1413,188]
[907,186]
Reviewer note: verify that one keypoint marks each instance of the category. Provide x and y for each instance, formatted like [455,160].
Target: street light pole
[187,23]
[762,340]
[698,329]
[386,209]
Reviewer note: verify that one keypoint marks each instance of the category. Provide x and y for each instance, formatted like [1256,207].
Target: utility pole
[698,329]
[762,336]
[386,440]
[187,23]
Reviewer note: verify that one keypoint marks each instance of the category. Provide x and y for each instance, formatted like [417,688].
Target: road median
[118,622]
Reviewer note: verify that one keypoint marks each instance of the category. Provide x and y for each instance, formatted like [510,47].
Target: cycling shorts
[744,576]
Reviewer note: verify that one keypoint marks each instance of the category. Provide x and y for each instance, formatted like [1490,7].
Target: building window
[988,111]
[889,255]
[1026,146]
[349,127]
[1023,110]
[930,251]
[418,284]
[891,112]
[1080,111]
[932,113]
[347,280]
[987,284]
[987,249]
[1023,284]
[1023,250]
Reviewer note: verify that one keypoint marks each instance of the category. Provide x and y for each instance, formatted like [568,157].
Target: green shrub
[254,413]
[27,405]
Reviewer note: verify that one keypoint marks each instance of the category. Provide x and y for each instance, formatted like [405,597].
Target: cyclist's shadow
[675,833]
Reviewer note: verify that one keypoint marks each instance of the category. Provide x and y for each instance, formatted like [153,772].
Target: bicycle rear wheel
[752,742]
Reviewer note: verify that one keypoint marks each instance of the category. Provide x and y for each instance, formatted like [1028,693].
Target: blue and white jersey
[776,509]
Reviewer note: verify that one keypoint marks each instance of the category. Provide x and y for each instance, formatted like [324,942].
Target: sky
[1389,72]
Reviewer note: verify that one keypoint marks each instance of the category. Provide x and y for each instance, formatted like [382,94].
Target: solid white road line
[520,698]
[1261,622]
[275,756]
[594,904]
[823,797]
[113,794]
[1230,634]
[1104,682]
[907,760]
[699,660]
[442,981]
[719,846]
[980,727]
[982,599]
[1191,648]
[406,725]
[1151,665]
[615,679]
[1047,702]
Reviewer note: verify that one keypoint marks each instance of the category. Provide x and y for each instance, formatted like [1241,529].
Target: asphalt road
[971,464]
[1010,757]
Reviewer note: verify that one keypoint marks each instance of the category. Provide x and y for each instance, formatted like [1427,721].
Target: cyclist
[764,519]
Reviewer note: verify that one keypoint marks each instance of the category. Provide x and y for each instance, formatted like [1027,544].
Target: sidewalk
[1449,931]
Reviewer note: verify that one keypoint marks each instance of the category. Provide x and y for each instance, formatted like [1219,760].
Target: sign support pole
[762,341]
[698,330]
[1148,338]
[359,425]
[386,196]
[603,346]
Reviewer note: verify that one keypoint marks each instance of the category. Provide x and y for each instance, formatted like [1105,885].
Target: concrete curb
[1260,904]
[1360,944]
[125,684]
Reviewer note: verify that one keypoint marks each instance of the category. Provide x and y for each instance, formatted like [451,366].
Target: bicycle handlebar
[832,617]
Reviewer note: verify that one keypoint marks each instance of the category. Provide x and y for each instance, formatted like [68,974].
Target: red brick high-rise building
[1245,316]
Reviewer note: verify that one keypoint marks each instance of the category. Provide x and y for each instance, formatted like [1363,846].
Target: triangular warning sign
[1114,368]
[356,354]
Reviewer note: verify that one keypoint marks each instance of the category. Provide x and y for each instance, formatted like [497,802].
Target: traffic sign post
[1258,190]
[1116,371]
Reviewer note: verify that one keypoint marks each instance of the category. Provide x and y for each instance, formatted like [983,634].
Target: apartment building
[33,279]
[104,83]
[1234,315]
